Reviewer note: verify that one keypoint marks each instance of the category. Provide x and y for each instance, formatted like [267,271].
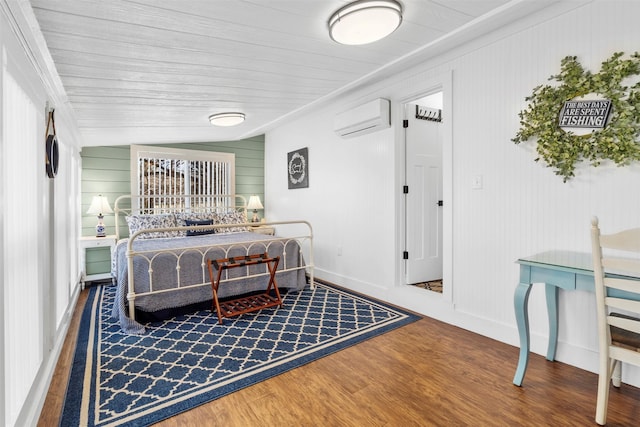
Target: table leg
[521,301]
[551,293]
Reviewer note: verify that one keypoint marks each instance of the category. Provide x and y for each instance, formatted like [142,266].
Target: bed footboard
[165,271]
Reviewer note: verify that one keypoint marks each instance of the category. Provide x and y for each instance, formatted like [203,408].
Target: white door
[424,198]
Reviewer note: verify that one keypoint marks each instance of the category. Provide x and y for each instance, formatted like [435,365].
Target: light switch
[476,184]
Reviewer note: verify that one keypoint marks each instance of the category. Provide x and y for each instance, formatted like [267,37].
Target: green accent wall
[106,171]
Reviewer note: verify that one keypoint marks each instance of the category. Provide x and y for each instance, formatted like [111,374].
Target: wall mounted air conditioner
[366,118]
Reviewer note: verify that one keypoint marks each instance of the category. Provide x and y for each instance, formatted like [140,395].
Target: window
[176,178]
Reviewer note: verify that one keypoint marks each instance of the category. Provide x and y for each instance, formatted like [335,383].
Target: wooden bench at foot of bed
[246,304]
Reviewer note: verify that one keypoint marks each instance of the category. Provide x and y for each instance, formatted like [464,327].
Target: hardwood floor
[425,374]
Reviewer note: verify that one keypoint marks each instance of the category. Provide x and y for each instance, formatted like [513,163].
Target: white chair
[616,268]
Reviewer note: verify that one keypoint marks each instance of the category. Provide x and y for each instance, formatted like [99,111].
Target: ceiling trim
[27,30]
[500,17]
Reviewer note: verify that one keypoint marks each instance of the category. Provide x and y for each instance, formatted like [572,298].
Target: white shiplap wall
[23,335]
[523,207]
[39,220]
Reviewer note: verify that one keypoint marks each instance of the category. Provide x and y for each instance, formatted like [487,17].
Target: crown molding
[498,19]
[23,24]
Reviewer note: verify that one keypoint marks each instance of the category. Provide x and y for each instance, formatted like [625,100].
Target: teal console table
[557,270]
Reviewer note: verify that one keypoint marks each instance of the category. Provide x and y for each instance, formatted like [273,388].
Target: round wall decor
[606,104]
[52,156]
[51,150]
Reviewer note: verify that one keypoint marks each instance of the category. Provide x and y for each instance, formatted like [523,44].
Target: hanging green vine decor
[561,149]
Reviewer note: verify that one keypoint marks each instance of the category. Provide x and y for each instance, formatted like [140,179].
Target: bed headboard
[165,204]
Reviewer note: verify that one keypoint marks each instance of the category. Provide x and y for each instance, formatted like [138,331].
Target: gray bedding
[193,270]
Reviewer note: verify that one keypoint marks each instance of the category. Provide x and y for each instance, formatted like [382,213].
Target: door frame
[443,83]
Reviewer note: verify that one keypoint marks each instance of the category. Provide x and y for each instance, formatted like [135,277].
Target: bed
[161,268]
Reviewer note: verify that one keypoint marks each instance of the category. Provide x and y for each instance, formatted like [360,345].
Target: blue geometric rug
[138,380]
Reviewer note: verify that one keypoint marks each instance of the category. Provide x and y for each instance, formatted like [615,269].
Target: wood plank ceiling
[149,71]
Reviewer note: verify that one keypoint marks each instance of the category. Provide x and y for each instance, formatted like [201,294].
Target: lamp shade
[99,205]
[365,21]
[254,203]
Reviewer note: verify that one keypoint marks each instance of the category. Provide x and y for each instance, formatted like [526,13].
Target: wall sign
[298,168]
[590,114]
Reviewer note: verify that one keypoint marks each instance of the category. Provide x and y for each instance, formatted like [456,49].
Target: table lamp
[100,205]
[255,204]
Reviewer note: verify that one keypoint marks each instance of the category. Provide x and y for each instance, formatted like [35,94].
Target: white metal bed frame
[200,204]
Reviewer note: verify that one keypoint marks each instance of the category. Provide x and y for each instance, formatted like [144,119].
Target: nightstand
[264,229]
[89,242]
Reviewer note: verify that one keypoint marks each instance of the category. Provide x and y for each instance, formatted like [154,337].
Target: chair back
[616,267]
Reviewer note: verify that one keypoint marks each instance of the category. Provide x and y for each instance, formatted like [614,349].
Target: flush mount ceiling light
[365,21]
[226,119]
